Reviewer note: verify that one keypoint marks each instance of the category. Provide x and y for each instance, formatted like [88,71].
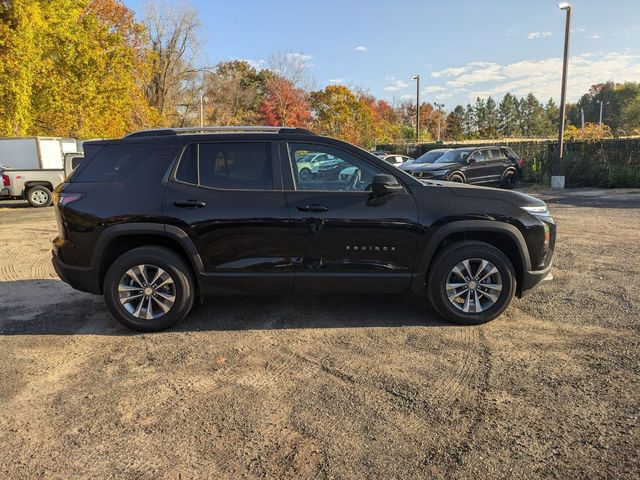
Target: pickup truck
[36,185]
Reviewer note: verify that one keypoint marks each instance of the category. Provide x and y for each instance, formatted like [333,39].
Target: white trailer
[35,153]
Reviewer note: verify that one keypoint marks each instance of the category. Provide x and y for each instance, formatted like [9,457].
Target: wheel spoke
[483,265]
[451,286]
[492,286]
[467,268]
[476,301]
[492,271]
[134,276]
[165,308]
[168,298]
[491,296]
[465,307]
[453,296]
[159,273]
[126,299]
[128,288]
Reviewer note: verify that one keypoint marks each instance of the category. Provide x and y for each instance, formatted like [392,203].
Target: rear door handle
[189,204]
[312,208]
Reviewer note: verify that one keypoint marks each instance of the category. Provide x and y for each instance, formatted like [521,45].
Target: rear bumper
[84,279]
[531,279]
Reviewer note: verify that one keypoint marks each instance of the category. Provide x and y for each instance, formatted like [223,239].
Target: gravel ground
[330,387]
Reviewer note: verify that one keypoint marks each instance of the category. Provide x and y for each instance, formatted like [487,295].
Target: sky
[461,49]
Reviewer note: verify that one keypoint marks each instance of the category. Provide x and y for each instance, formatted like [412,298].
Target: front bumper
[84,279]
[531,279]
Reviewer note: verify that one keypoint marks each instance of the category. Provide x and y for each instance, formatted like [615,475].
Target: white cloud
[434,88]
[594,36]
[299,56]
[540,34]
[361,48]
[257,64]
[406,97]
[336,80]
[541,77]
[449,72]
[396,85]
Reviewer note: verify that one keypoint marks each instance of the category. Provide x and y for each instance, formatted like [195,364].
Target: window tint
[495,154]
[239,166]
[338,171]
[75,161]
[188,168]
[114,162]
[480,155]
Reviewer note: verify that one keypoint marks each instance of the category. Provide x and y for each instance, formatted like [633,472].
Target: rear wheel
[457,178]
[509,179]
[305,174]
[149,289]
[39,196]
[471,283]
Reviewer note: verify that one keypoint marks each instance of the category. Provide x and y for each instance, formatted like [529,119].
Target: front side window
[228,166]
[336,170]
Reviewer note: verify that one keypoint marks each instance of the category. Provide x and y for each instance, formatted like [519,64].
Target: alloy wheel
[147,291]
[473,285]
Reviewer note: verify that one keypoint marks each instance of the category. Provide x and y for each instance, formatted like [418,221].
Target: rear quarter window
[115,162]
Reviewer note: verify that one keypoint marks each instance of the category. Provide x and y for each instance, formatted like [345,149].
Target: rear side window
[495,154]
[188,168]
[235,166]
[114,162]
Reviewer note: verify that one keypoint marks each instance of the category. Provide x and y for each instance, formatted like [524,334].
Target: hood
[475,191]
[426,167]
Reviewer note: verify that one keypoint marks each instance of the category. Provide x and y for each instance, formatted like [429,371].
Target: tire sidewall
[41,188]
[456,178]
[509,179]
[444,264]
[171,264]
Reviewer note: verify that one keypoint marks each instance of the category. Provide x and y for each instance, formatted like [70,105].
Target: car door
[228,198]
[497,164]
[344,238]
[477,170]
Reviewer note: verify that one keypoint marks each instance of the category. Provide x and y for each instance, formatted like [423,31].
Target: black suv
[474,165]
[155,219]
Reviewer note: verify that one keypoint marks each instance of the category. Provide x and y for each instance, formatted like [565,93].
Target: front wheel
[471,282]
[39,196]
[509,179]
[456,178]
[149,289]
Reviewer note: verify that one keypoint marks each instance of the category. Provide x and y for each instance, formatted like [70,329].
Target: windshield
[454,156]
[429,157]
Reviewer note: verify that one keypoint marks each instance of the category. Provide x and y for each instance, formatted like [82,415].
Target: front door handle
[189,204]
[312,208]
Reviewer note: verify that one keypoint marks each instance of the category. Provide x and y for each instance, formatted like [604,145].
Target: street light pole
[600,121]
[439,107]
[557,180]
[417,79]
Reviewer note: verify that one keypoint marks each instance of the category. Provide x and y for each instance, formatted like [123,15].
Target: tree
[455,124]
[234,92]
[470,122]
[631,116]
[71,68]
[553,117]
[508,115]
[284,104]
[489,128]
[533,118]
[173,41]
[337,113]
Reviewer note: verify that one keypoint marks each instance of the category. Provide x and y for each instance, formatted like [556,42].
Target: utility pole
[557,178]
[417,79]
[581,117]
[202,110]
[439,107]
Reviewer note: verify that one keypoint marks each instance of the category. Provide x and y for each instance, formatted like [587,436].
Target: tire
[442,271]
[180,288]
[39,196]
[509,179]
[305,174]
[456,178]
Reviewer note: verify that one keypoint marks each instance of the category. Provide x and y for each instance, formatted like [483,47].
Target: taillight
[520,162]
[62,198]
[5,180]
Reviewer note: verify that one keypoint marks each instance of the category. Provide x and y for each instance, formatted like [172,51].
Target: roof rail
[229,129]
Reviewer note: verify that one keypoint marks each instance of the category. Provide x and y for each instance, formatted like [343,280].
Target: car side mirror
[384,184]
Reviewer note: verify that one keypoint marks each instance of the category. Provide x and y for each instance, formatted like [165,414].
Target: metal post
[600,121]
[418,109]
[559,170]
[581,117]
[202,110]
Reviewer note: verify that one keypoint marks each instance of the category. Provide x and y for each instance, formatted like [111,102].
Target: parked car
[395,159]
[196,212]
[423,160]
[314,164]
[518,163]
[36,185]
[474,165]
[33,166]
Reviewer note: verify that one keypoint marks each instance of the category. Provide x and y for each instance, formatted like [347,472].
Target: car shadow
[50,307]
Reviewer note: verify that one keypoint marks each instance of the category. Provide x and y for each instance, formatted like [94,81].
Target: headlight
[439,172]
[539,211]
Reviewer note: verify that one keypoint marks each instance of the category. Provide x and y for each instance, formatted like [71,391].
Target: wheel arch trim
[460,226]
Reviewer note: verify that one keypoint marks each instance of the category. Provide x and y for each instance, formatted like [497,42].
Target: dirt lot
[337,387]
